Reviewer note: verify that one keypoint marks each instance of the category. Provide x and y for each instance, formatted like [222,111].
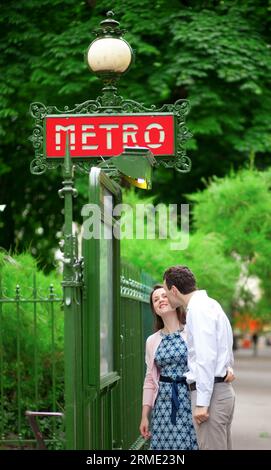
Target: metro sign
[106,136]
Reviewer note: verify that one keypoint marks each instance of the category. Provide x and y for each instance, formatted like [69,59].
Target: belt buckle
[192,386]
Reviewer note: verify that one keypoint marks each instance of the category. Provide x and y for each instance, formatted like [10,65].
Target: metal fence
[135,315]
[32,362]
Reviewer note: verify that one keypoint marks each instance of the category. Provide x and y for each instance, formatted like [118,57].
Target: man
[209,342]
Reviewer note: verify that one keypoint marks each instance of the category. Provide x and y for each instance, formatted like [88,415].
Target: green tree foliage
[230,241]
[237,208]
[215,53]
[205,255]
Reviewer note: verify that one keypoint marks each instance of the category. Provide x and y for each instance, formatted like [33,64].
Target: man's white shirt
[209,344]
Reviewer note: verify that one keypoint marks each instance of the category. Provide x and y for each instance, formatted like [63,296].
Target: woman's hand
[230,375]
[144,428]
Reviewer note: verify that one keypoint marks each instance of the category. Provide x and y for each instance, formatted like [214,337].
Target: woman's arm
[149,385]
[144,425]
[148,391]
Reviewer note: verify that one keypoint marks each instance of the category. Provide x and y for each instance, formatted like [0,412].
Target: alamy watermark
[141,221]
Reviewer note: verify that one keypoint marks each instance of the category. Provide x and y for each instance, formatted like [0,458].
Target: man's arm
[202,325]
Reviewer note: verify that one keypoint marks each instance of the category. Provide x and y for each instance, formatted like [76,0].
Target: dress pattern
[171,359]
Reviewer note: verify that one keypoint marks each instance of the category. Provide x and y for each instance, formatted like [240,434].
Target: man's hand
[230,375]
[201,414]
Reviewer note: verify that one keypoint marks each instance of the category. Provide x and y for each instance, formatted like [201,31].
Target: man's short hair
[180,277]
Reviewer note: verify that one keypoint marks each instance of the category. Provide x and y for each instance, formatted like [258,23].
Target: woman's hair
[158,322]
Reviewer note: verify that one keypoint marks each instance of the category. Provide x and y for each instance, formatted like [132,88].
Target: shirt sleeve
[230,344]
[202,325]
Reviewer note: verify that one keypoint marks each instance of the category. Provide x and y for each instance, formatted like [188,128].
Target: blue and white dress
[171,359]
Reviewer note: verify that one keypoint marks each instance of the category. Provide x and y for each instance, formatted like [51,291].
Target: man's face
[172,296]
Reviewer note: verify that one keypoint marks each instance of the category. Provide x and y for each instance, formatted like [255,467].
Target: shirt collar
[198,294]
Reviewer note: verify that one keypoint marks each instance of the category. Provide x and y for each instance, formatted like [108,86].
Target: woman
[165,391]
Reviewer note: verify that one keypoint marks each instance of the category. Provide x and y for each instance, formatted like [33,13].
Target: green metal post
[72,317]
[52,312]
[19,364]
[35,340]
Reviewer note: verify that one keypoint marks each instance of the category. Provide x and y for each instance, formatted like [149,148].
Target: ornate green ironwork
[134,290]
[109,27]
[72,290]
[109,103]
[72,273]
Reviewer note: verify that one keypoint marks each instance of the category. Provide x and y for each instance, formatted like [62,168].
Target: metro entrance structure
[106,139]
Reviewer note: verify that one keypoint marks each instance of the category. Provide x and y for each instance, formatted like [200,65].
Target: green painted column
[72,317]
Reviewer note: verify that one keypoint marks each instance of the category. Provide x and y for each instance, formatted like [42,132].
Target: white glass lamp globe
[107,55]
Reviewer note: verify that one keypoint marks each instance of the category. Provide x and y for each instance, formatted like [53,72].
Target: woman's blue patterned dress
[171,359]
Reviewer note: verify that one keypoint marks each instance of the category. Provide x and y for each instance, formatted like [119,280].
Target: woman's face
[160,302]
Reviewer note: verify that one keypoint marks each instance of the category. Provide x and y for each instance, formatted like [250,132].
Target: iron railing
[31,361]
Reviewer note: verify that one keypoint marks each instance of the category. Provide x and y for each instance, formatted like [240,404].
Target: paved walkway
[251,428]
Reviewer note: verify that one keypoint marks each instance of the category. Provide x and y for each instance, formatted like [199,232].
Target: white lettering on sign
[85,135]
[109,128]
[70,128]
[161,135]
[131,134]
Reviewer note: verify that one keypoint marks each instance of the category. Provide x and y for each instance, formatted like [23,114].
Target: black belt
[174,394]
[178,380]
[193,385]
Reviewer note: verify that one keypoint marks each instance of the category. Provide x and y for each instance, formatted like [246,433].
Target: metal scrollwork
[38,110]
[109,103]
[134,289]
[38,166]
[37,137]
[183,163]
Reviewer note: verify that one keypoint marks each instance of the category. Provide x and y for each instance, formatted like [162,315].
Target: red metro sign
[106,136]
